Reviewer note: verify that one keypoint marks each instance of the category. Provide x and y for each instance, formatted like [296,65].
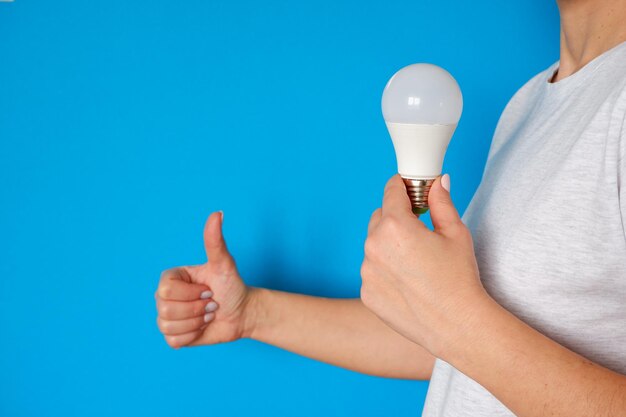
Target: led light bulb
[422,105]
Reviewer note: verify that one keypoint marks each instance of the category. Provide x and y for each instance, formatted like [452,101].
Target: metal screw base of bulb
[418,193]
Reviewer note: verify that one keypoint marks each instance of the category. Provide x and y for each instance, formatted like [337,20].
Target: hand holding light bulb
[422,105]
[424,284]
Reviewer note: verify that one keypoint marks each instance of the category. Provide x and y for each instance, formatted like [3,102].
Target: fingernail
[445,182]
[206,294]
[212,306]
[208,317]
[221,216]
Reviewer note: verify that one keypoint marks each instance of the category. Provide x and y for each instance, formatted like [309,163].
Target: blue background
[124,124]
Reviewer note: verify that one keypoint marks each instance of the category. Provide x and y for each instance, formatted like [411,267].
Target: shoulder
[619,116]
[528,94]
[518,107]
[530,91]
[611,77]
[613,72]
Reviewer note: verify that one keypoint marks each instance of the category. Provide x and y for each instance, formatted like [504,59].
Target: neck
[588,28]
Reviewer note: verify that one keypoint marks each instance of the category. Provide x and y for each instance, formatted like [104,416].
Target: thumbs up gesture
[203,304]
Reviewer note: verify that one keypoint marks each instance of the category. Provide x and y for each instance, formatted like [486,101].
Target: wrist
[253,311]
[465,329]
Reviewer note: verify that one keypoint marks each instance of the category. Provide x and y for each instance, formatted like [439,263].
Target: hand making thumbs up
[203,304]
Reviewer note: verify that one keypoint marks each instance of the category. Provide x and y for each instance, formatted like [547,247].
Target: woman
[519,308]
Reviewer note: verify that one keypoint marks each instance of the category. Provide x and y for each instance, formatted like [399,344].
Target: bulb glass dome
[422,94]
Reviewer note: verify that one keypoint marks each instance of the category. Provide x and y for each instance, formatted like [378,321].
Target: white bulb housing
[422,105]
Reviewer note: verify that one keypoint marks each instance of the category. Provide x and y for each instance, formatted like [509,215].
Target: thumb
[214,243]
[443,214]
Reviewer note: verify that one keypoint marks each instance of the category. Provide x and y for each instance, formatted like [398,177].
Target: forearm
[342,332]
[530,373]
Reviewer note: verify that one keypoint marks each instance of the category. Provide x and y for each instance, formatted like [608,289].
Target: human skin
[395,323]
[425,284]
[588,28]
[406,265]
[341,332]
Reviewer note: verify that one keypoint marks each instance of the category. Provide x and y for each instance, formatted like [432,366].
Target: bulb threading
[418,190]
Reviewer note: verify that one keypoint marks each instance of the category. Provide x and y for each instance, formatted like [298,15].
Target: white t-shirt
[548,222]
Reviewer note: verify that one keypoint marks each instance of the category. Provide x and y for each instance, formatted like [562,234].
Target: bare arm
[342,332]
[426,285]
[208,304]
[495,347]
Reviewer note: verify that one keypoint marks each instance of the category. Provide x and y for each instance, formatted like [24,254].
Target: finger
[374,220]
[180,340]
[179,310]
[396,200]
[214,243]
[443,214]
[176,327]
[171,288]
